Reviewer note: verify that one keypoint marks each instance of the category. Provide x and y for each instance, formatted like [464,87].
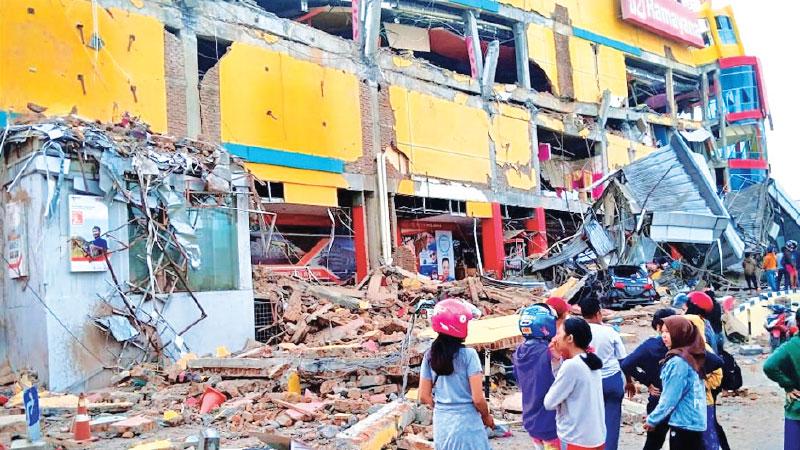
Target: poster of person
[444,255]
[428,262]
[16,241]
[88,220]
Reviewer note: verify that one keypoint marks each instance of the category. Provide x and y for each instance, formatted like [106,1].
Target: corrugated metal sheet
[598,237]
[571,250]
[660,182]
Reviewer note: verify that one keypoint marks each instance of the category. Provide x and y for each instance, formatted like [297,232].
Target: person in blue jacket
[534,373]
[644,365]
[682,403]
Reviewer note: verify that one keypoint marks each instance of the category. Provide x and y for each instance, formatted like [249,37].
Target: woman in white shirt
[577,392]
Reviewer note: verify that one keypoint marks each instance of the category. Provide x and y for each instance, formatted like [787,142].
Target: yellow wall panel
[302,194]
[542,49]
[442,138]
[584,70]
[617,152]
[479,209]
[612,71]
[270,99]
[517,179]
[641,150]
[512,141]
[268,172]
[43,57]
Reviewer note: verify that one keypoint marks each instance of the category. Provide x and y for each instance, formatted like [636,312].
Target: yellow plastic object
[293,385]
[222,352]
[157,445]
[170,415]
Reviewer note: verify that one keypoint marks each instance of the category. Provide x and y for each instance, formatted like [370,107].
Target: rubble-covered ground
[345,347]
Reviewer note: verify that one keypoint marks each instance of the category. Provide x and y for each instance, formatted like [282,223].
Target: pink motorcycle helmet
[451,316]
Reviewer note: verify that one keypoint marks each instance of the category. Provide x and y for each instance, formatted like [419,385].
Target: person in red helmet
[700,304]
[561,308]
[451,381]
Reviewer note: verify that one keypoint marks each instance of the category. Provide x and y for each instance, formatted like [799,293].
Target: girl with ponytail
[577,392]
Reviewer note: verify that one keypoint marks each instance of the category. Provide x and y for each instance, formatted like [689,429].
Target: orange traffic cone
[81,429]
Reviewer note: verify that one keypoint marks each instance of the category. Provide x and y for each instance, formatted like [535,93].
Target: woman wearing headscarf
[683,401]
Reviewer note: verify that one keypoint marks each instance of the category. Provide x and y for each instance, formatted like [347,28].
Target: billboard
[667,18]
[16,241]
[88,220]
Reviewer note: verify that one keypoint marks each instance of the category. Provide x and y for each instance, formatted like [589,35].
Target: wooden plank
[496,333]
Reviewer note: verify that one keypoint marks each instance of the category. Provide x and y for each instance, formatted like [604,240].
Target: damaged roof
[675,185]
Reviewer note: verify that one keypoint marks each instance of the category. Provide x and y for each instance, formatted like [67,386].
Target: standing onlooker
[789,267]
[770,266]
[608,346]
[700,304]
[750,273]
[534,374]
[561,308]
[783,367]
[576,394]
[460,411]
[644,366]
[682,400]
[713,379]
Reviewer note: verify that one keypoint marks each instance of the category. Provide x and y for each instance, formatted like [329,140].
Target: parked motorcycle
[780,325]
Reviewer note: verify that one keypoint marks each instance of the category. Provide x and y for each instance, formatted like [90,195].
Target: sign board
[444,255]
[428,259]
[16,241]
[88,220]
[30,399]
[667,18]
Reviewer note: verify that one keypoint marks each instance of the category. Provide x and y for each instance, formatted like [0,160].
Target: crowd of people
[780,268]
[574,371]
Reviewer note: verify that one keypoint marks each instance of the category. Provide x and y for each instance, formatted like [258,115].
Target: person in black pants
[643,365]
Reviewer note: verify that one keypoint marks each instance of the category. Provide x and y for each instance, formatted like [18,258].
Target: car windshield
[627,271]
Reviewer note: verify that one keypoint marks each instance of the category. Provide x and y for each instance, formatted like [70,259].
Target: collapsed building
[447,138]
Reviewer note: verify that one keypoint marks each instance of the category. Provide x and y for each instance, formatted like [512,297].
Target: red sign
[667,18]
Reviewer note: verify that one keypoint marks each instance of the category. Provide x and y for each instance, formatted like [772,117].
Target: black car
[627,286]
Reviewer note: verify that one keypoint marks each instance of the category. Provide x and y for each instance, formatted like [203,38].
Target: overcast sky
[769,30]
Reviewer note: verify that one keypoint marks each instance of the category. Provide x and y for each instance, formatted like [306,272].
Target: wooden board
[496,333]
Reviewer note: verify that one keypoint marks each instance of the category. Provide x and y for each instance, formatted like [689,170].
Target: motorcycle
[780,325]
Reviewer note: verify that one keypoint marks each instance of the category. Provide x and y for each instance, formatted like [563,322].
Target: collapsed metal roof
[764,214]
[675,186]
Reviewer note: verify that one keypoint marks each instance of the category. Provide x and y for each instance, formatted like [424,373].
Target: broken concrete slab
[513,403]
[102,424]
[14,423]
[135,425]
[378,429]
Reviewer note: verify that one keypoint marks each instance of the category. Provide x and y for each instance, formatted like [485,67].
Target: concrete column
[673,108]
[537,226]
[721,110]
[394,227]
[492,248]
[704,95]
[536,165]
[521,48]
[372,219]
[189,41]
[360,238]
[473,43]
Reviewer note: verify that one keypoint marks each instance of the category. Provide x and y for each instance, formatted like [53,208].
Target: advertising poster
[428,262]
[444,255]
[88,220]
[16,241]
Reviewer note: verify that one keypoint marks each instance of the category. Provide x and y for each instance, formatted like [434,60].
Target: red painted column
[492,236]
[360,242]
[537,227]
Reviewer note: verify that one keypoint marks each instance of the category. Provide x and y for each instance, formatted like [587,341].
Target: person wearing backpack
[534,373]
[783,367]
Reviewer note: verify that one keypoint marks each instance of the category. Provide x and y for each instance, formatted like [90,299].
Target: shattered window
[725,28]
[215,235]
[740,89]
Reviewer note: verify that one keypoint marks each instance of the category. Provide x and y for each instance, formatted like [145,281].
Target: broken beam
[378,429]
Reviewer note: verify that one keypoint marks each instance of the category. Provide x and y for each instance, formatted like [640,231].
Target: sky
[768,29]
